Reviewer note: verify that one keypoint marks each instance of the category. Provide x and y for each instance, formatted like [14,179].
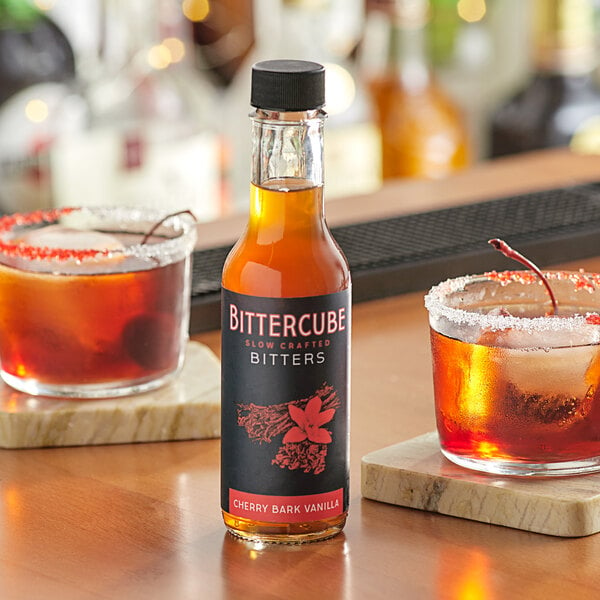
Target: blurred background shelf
[145,102]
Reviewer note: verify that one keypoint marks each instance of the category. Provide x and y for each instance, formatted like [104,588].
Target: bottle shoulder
[300,266]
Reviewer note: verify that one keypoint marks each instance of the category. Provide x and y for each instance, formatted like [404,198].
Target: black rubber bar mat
[413,252]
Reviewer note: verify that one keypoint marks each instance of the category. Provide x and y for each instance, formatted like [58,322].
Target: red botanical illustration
[308,423]
[304,444]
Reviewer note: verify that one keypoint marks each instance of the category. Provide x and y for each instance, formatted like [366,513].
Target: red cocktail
[91,306]
[517,388]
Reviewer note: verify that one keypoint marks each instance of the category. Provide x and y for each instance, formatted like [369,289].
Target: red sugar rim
[581,280]
[22,250]
[8,222]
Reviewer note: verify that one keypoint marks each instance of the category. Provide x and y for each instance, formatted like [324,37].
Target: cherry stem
[157,225]
[503,247]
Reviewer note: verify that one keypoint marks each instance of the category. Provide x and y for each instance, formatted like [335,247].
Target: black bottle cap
[288,85]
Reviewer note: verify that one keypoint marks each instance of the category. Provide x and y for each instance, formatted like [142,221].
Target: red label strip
[286,509]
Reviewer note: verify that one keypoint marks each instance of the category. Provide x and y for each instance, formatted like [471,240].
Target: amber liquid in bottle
[287,251]
[422,134]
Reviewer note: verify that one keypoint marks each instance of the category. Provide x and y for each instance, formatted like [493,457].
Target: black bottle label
[285,406]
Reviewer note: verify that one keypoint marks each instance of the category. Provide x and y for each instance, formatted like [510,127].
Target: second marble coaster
[415,474]
[187,408]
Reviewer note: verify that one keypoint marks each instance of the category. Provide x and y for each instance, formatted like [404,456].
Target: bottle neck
[407,55]
[395,46]
[286,199]
[287,149]
[564,37]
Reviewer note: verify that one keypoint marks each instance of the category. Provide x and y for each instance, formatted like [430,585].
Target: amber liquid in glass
[91,328]
[525,405]
[287,251]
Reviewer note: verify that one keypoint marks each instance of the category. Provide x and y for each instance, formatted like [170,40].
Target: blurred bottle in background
[325,31]
[223,32]
[422,130]
[38,99]
[106,109]
[561,102]
[33,49]
[151,138]
[144,101]
[444,29]
[480,56]
[352,140]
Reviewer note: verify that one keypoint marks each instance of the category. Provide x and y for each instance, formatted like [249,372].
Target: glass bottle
[325,31]
[223,38]
[151,139]
[469,42]
[422,131]
[38,102]
[285,328]
[33,49]
[562,98]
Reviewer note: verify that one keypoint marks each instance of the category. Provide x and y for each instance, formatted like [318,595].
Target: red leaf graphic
[298,415]
[309,421]
[295,434]
[324,417]
[319,436]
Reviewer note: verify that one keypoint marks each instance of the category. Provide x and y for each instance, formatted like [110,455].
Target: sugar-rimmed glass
[98,315]
[517,389]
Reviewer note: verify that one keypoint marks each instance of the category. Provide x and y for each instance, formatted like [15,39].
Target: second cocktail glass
[517,389]
[95,301]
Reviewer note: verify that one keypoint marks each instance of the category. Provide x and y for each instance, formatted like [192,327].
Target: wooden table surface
[142,521]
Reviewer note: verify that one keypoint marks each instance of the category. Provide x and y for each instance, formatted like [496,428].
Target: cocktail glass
[94,302]
[517,389]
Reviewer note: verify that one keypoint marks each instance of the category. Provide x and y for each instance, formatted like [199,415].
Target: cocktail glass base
[529,469]
[33,387]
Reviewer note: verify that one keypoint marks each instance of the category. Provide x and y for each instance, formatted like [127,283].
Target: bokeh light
[44,4]
[340,89]
[36,111]
[196,10]
[471,10]
[175,47]
[159,57]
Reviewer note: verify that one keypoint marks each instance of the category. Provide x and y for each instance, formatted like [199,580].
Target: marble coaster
[415,474]
[187,408]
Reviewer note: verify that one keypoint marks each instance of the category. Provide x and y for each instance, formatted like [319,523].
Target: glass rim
[437,308]
[181,222]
